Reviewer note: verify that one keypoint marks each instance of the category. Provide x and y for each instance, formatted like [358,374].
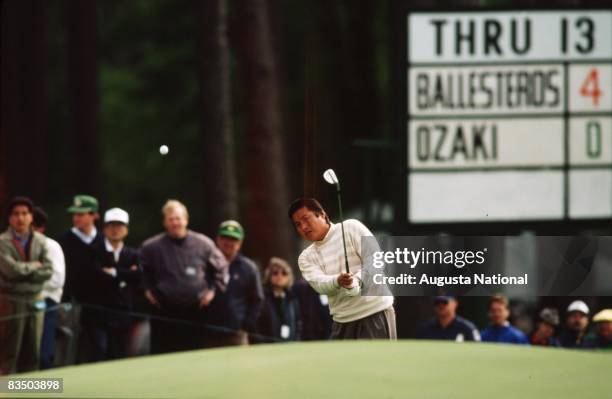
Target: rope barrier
[68,306]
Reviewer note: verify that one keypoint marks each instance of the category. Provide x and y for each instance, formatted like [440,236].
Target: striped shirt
[321,263]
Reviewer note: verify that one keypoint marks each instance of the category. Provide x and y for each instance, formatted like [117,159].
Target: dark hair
[17,201]
[498,298]
[40,217]
[309,203]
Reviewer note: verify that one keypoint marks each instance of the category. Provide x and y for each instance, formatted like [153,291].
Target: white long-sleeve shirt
[321,263]
[54,287]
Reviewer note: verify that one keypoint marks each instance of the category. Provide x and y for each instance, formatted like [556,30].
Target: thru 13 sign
[509,116]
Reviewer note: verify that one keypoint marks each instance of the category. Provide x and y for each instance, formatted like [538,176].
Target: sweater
[504,334]
[322,262]
[83,268]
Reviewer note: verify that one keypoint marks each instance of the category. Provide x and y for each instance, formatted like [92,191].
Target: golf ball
[163,149]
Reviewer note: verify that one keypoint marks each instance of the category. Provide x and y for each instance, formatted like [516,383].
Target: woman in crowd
[279,319]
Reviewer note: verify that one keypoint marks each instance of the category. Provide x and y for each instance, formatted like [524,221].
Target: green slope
[405,369]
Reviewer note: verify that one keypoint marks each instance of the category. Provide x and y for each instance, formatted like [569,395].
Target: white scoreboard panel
[509,116]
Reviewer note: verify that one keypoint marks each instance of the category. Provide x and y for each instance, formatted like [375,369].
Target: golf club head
[330,176]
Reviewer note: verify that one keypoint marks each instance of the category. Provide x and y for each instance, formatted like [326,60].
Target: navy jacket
[119,290]
[314,312]
[238,307]
[570,339]
[459,329]
[277,312]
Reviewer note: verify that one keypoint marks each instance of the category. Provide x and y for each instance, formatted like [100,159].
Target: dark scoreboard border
[539,226]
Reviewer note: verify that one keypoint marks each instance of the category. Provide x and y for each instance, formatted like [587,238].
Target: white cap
[578,306]
[116,215]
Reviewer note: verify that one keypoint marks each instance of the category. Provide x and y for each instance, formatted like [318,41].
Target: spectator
[314,309]
[500,330]
[577,323]
[81,246]
[447,325]
[602,339]
[121,273]
[182,272]
[24,267]
[52,291]
[323,264]
[237,309]
[545,333]
[280,315]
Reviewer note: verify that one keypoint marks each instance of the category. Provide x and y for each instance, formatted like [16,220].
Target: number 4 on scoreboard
[590,87]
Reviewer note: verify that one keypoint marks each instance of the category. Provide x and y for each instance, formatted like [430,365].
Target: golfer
[323,265]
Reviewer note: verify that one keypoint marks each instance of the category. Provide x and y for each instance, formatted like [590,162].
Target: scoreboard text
[509,116]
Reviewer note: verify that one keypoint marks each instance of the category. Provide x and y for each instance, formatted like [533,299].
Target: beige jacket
[19,277]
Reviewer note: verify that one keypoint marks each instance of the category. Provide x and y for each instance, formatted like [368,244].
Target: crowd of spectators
[90,296]
[574,333]
[192,291]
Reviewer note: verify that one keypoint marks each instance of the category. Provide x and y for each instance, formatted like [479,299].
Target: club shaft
[342,227]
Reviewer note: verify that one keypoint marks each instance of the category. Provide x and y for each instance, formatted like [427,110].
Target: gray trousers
[380,325]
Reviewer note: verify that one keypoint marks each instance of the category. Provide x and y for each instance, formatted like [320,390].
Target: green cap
[83,204]
[231,228]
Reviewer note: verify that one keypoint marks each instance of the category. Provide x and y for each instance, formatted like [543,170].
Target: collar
[327,238]
[86,238]
[20,238]
[109,246]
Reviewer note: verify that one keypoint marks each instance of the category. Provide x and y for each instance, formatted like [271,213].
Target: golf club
[330,176]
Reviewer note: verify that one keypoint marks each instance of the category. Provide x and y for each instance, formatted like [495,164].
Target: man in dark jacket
[183,270]
[577,323]
[233,314]
[81,246]
[121,274]
[447,325]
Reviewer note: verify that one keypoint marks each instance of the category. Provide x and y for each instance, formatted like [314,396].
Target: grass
[364,369]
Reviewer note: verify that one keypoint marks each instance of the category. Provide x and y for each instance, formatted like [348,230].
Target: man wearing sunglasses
[447,325]
[323,265]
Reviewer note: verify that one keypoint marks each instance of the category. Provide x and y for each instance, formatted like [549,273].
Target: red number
[590,87]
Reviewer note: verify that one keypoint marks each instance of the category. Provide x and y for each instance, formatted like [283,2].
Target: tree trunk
[219,185]
[269,232]
[83,93]
[23,131]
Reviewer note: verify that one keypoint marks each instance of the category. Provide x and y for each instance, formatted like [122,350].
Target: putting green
[365,369]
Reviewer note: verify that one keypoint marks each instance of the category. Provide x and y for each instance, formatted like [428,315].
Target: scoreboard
[509,116]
